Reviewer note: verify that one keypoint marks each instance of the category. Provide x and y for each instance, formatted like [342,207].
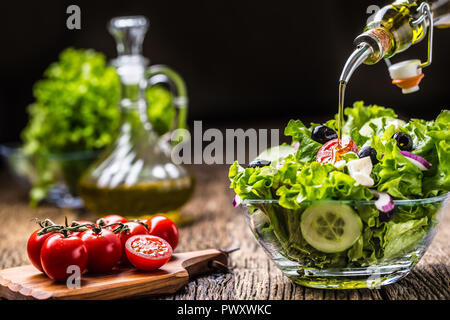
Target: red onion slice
[418,161]
[384,202]
[237,201]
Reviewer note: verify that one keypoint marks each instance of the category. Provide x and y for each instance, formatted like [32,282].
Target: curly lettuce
[432,142]
[75,107]
[317,181]
[361,115]
[300,134]
[395,174]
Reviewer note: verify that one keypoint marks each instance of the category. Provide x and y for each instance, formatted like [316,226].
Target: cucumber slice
[276,153]
[330,228]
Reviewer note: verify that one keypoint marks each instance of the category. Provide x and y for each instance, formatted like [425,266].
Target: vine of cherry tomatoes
[100,247]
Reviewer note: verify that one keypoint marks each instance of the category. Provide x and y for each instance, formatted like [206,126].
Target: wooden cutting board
[26,282]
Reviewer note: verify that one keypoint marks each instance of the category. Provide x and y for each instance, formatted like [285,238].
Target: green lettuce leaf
[382,126]
[400,238]
[317,181]
[307,150]
[395,174]
[359,115]
[437,180]
[252,183]
[431,141]
[75,107]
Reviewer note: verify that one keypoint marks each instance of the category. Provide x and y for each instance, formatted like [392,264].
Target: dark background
[245,62]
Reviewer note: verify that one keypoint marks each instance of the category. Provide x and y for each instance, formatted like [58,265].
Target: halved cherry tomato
[104,249]
[34,246]
[147,252]
[59,252]
[112,218]
[134,228]
[332,151]
[164,228]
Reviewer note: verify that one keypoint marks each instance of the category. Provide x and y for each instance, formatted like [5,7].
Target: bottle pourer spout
[359,55]
[129,33]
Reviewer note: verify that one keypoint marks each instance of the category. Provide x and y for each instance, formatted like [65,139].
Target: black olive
[368,152]
[386,216]
[258,163]
[404,141]
[323,134]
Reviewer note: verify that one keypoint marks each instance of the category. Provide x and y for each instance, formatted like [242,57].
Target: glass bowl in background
[278,231]
[65,170]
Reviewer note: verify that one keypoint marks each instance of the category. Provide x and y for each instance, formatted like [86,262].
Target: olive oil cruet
[135,176]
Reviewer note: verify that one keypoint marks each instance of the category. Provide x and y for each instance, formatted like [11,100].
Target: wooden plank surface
[219,225]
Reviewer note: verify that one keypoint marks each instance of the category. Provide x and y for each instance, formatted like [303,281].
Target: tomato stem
[101,223]
[122,227]
[49,226]
[49,229]
[46,223]
[139,221]
[77,227]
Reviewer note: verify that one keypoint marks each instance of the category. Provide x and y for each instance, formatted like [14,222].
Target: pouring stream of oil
[340,119]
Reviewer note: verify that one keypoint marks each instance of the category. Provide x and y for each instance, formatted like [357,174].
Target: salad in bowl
[354,212]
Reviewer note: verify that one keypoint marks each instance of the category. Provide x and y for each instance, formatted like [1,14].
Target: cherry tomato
[59,252]
[134,228]
[34,246]
[104,249]
[147,252]
[332,151]
[164,228]
[112,218]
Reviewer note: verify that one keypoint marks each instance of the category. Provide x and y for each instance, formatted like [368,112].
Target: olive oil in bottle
[135,176]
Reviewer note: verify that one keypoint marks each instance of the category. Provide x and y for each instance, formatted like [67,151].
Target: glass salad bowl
[341,244]
[57,181]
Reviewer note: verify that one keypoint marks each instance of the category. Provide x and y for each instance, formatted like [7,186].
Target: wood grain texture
[218,225]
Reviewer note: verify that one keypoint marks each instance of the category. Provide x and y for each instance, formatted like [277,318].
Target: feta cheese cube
[360,170]
[363,180]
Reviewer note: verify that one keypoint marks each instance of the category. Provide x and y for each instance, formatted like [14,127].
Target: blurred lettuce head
[75,106]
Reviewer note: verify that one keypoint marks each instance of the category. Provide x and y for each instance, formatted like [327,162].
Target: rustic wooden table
[218,225]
